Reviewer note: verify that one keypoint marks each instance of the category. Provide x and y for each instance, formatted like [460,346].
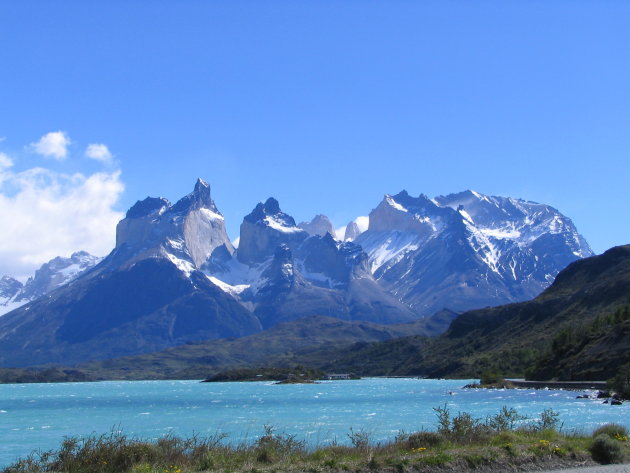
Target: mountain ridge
[535,336]
[280,273]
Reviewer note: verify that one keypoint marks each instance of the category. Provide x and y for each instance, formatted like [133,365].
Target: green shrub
[549,420]
[461,428]
[606,450]
[444,419]
[614,431]
[490,377]
[467,427]
[360,439]
[272,447]
[424,439]
[505,437]
[506,419]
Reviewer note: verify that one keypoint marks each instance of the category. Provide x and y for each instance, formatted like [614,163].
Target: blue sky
[325,105]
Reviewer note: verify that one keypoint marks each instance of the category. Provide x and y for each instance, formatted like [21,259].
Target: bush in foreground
[614,431]
[606,450]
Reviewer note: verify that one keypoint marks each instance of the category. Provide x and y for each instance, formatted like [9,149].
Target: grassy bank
[461,442]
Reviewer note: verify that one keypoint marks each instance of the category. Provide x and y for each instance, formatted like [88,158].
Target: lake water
[38,416]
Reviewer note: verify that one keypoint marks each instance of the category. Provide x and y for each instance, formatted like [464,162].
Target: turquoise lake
[38,416]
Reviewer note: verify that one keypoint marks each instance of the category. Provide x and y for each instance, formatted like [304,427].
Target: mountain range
[577,329]
[175,277]
[51,275]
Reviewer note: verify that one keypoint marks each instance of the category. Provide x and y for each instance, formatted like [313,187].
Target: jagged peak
[469,196]
[271,215]
[5,280]
[199,198]
[407,203]
[352,231]
[201,184]
[318,218]
[319,225]
[148,206]
[271,206]
[82,254]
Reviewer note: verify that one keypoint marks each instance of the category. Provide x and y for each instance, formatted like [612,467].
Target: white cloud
[47,214]
[53,145]
[340,233]
[99,152]
[362,222]
[5,161]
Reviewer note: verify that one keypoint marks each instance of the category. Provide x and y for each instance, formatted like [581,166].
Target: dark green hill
[309,341]
[590,351]
[512,338]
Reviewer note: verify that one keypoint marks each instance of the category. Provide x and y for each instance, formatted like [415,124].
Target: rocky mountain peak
[147,207]
[352,231]
[264,229]
[9,287]
[320,225]
[271,208]
[55,273]
[199,198]
[404,213]
[186,233]
[420,204]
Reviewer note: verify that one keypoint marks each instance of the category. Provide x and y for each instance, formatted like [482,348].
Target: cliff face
[189,232]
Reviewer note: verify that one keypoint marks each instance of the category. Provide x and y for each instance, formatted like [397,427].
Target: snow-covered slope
[56,273]
[467,249]
[9,288]
[281,272]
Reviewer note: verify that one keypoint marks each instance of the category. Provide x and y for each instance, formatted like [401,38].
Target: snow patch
[484,247]
[237,275]
[184,266]
[280,226]
[176,244]
[11,305]
[510,233]
[71,271]
[228,288]
[210,215]
[395,204]
[388,247]
[465,214]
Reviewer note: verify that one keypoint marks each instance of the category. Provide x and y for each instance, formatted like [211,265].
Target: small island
[295,375]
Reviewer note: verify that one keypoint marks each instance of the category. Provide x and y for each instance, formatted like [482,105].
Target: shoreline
[562,385]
